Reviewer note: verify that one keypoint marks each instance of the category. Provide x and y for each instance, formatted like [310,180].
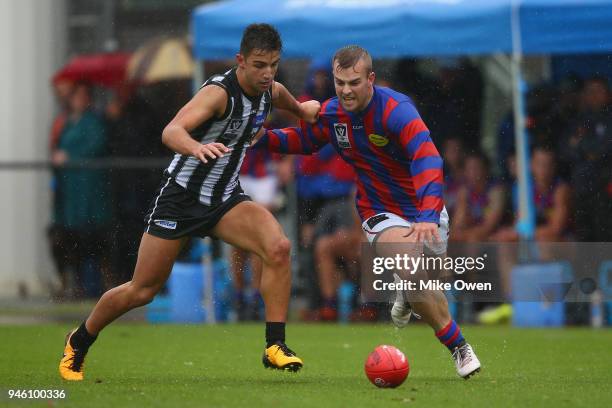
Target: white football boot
[466,362]
[401,312]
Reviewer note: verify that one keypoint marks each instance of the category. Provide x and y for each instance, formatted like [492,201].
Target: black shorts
[175,212]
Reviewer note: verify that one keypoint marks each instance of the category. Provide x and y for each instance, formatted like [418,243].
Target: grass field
[215,366]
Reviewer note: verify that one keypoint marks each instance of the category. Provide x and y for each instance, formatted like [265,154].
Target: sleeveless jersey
[215,181]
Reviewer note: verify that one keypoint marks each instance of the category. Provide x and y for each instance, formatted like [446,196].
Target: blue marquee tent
[396,28]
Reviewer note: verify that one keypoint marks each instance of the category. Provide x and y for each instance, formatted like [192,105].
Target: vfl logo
[166,224]
[235,125]
[341,132]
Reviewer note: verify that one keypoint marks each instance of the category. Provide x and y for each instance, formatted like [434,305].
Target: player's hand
[309,111]
[212,151]
[424,232]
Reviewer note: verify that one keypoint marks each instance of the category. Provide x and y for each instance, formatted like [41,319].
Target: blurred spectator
[62,90]
[587,151]
[319,81]
[454,156]
[82,210]
[563,111]
[134,130]
[552,198]
[457,104]
[545,121]
[315,174]
[338,236]
[421,88]
[480,202]
[320,179]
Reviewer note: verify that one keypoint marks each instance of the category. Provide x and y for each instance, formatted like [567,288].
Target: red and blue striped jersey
[399,170]
[259,162]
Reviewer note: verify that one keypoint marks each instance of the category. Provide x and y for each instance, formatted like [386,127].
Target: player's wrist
[302,112]
[195,149]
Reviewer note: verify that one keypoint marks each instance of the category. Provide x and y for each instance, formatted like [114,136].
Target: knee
[277,252]
[140,296]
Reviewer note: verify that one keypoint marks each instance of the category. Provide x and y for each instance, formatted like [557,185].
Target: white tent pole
[198,75]
[208,294]
[526,224]
[208,265]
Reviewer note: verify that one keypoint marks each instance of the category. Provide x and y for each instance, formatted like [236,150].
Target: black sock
[81,339]
[275,331]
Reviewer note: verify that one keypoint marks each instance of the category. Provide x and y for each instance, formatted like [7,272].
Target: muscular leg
[251,227]
[155,259]
[430,304]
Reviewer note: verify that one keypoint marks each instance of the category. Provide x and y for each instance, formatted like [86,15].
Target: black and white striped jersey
[216,180]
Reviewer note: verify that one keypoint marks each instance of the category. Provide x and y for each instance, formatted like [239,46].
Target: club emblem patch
[341,132]
[378,140]
[235,125]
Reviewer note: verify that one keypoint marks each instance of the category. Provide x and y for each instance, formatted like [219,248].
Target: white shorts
[380,222]
[261,189]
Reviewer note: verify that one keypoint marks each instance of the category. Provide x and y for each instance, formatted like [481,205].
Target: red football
[386,367]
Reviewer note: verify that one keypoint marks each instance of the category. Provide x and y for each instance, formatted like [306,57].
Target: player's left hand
[309,111]
[424,232]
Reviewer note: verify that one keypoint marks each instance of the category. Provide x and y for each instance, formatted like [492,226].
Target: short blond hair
[348,56]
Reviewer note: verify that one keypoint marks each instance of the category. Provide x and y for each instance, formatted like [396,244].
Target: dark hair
[87,86]
[262,37]
[480,156]
[348,56]
[542,147]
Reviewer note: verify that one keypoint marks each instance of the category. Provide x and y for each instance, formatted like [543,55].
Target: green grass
[202,366]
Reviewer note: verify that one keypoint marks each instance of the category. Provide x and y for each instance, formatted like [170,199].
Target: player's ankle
[275,332]
[81,338]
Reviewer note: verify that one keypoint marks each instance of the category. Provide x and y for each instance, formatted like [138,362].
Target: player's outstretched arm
[306,139]
[282,99]
[209,102]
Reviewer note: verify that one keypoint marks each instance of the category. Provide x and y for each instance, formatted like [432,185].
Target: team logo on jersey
[341,132]
[234,125]
[166,224]
[378,140]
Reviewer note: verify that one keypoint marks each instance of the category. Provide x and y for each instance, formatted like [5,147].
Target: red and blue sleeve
[425,161]
[305,139]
